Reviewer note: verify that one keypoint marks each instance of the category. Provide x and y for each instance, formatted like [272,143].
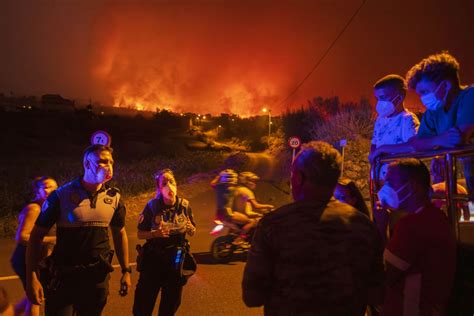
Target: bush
[350,125]
[356,126]
[331,121]
[275,143]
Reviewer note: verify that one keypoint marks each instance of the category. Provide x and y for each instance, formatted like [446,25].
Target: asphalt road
[215,289]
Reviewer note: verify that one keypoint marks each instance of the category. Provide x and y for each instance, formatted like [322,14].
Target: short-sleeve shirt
[242,197]
[176,215]
[82,221]
[395,130]
[461,112]
[424,247]
[311,258]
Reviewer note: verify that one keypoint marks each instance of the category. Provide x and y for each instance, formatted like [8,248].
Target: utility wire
[325,53]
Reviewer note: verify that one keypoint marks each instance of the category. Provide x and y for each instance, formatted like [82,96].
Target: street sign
[342,143]
[101,138]
[294,142]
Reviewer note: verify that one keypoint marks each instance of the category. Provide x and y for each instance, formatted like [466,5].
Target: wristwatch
[129,270]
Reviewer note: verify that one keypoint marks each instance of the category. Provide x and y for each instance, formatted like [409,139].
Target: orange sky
[221,55]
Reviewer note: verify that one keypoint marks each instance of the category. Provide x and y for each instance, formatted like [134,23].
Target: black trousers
[157,274]
[78,297]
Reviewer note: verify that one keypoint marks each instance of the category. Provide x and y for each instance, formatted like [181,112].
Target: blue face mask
[431,102]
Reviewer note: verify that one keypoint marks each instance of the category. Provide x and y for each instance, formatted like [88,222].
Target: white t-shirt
[395,130]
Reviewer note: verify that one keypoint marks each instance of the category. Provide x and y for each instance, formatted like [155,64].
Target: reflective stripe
[395,261]
[411,295]
[83,224]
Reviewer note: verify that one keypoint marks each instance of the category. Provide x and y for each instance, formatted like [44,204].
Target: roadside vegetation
[51,143]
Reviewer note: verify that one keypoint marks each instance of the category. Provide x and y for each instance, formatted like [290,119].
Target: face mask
[385,108]
[169,191]
[431,102]
[101,175]
[388,197]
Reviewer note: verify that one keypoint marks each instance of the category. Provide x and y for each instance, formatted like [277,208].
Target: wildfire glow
[218,57]
[148,60]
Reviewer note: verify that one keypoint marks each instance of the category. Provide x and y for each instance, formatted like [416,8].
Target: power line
[325,53]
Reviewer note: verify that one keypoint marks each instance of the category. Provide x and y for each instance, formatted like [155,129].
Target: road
[215,289]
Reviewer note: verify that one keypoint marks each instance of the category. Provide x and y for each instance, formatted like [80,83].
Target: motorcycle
[224,247]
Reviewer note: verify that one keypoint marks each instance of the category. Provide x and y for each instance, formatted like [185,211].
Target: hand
[190,229]
[35,291]
[374,154]
[161,232]
[450,138]
[125,283]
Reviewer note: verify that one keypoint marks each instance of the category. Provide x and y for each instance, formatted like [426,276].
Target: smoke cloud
[214,56]
[217,57]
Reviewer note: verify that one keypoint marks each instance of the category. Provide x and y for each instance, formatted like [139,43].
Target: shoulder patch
[112,191]
[184,203]
[141,218]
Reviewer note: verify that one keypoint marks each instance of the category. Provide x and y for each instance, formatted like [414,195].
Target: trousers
[157,274]
[77,297]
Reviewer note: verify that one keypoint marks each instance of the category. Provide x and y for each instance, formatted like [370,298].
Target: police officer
[75,279]
[164,223]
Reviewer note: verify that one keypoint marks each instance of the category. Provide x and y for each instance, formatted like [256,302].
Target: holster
[52,273]
[189,265]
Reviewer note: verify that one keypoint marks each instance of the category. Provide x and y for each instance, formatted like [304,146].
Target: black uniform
[81,258]
[158,269]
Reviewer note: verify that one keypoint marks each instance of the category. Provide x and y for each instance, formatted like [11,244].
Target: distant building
[55,102]
[14,103]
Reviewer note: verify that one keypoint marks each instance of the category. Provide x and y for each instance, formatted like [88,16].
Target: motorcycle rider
[225,185]
[244,197]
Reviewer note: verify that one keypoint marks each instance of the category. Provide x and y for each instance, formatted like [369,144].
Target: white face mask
[385,108]
[431,102]
[169,191]
[388,197]
[101,175]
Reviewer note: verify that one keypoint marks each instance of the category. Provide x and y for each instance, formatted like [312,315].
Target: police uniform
[82,221]
[157,269]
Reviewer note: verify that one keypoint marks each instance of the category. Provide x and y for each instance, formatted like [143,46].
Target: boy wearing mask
[394,126]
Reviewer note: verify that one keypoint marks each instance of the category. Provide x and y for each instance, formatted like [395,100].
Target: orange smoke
[153,57]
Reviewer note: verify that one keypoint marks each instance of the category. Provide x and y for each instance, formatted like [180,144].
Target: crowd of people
[324,254]
[320,257]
